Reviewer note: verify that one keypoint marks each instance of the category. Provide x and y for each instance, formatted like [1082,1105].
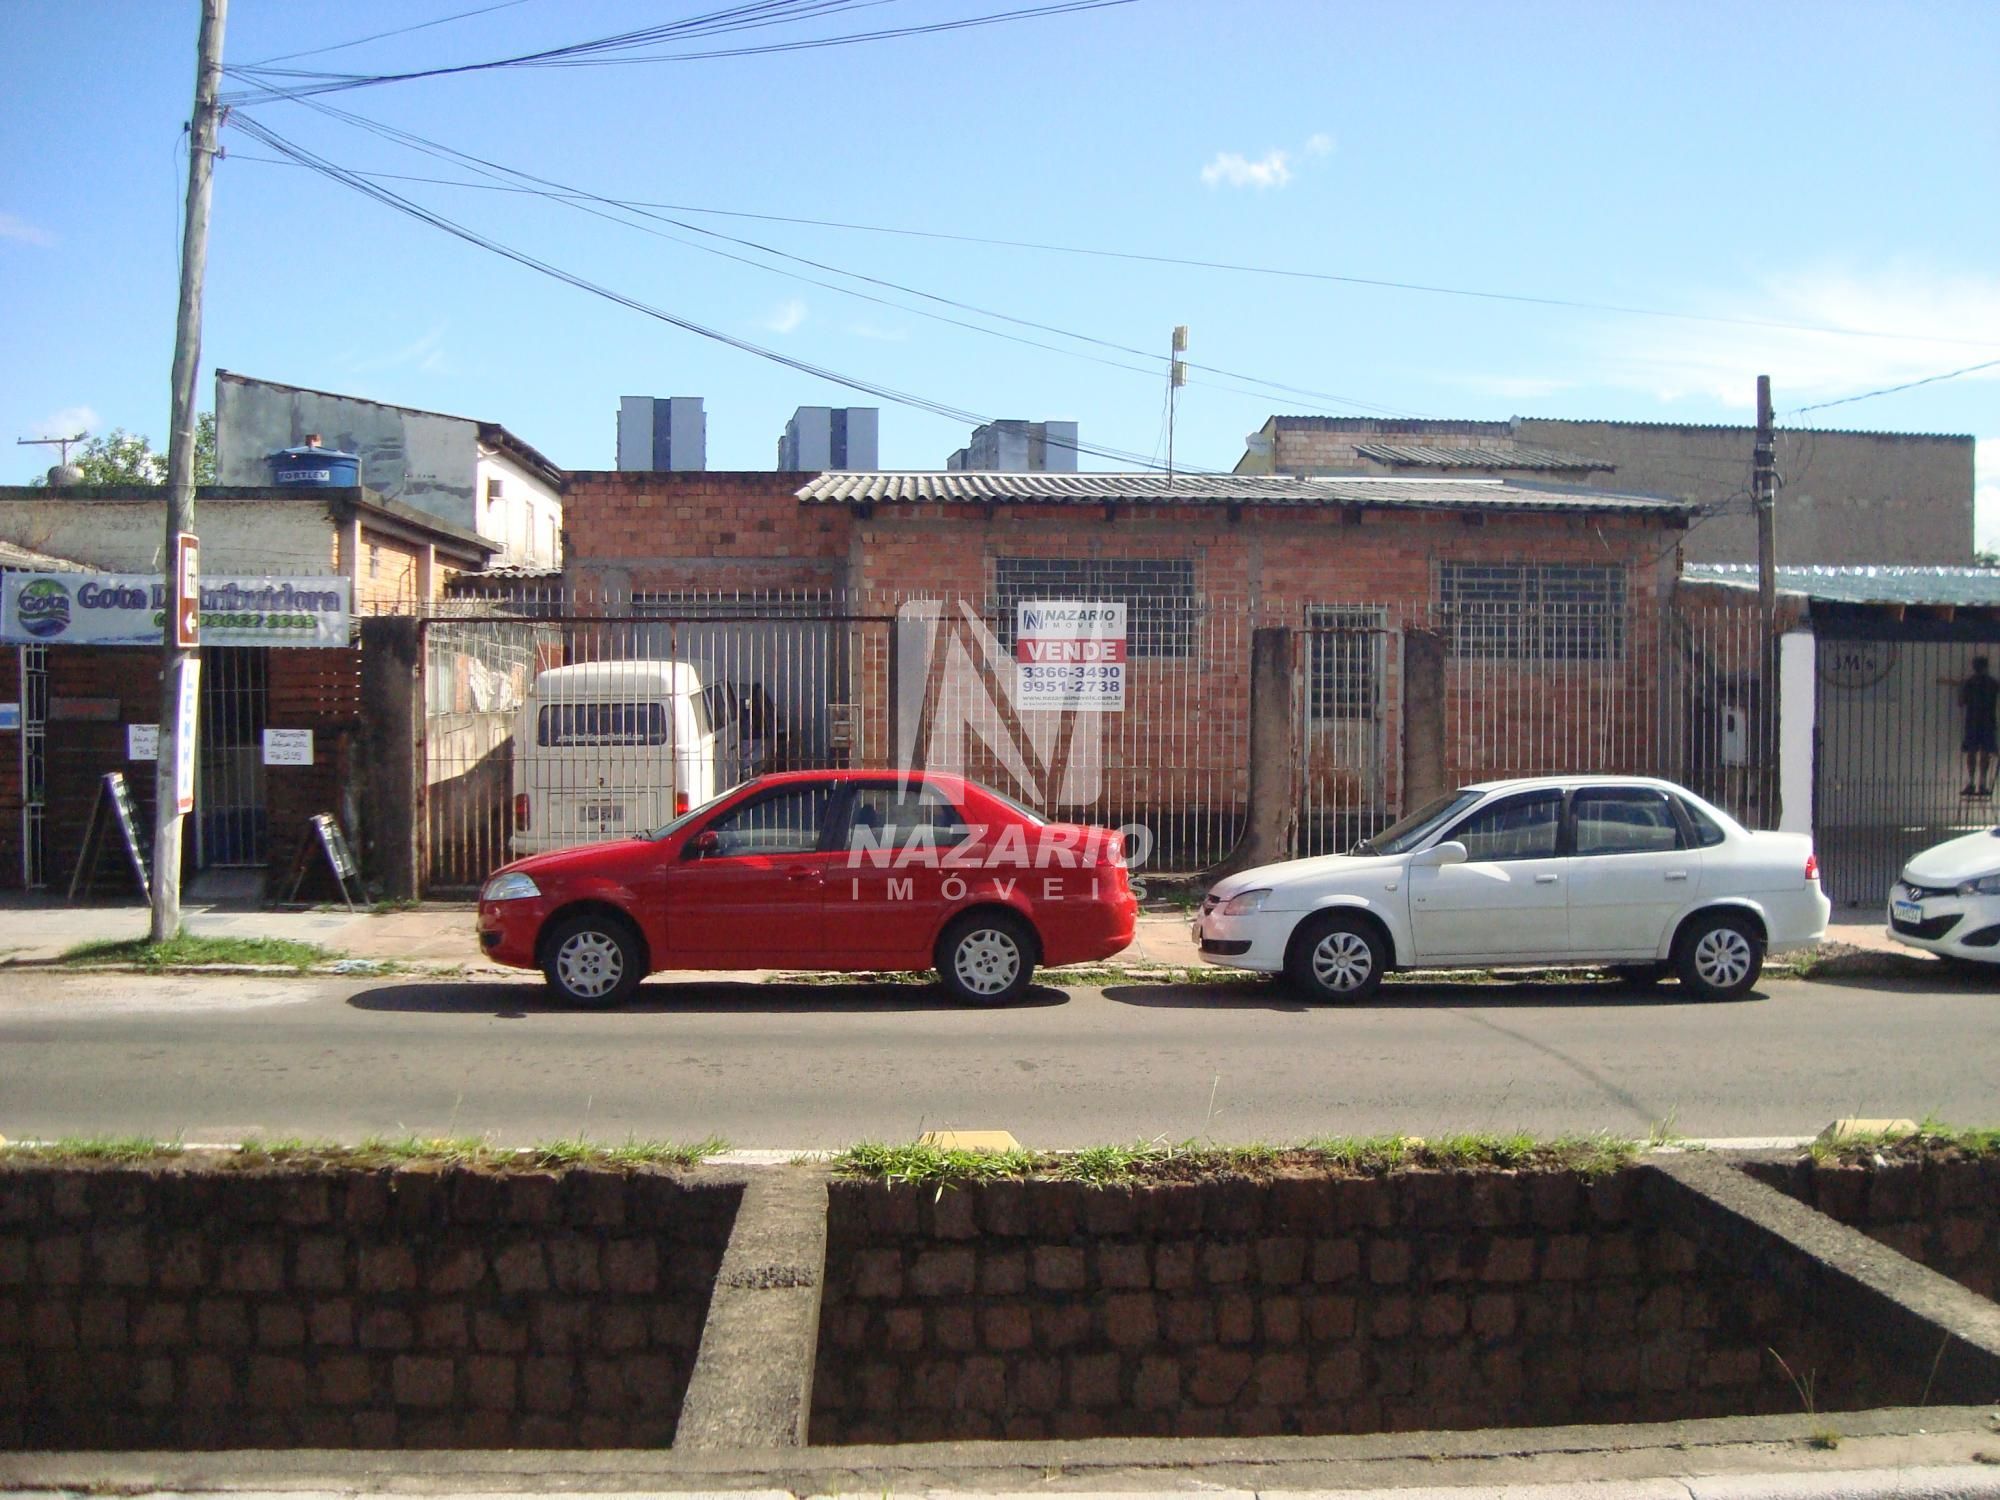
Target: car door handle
[1546,879]
[803,875]
[1677,874]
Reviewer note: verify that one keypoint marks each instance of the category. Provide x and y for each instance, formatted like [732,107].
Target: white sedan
[1948,901]
[1637,874]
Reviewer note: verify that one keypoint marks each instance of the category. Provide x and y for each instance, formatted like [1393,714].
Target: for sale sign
[1070,655]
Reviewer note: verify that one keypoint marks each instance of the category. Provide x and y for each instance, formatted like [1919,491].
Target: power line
[1890,390]
[595,53]
[379,35]
[560,192]
[406,206]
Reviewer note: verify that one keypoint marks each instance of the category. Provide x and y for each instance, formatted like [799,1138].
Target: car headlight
[515,887]
[1985,885]
[1244,903]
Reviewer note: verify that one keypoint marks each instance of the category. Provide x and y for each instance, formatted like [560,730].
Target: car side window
[1707,832]
[894,817]
[1526,826]
[786,822]
[1624,820]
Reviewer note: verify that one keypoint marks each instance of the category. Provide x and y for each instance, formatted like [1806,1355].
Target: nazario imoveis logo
[43,607]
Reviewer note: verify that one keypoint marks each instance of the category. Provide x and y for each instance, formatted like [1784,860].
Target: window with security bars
[1534,611]
[1345,646]
[1158,595]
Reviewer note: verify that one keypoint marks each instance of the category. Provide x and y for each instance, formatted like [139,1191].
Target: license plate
[602,812]
[1907,911]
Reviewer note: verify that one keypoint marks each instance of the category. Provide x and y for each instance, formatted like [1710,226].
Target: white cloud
[1232,167]
[1319,144]
[425,353]
[1716,361]
[786,317]
[66,423]
[12,227]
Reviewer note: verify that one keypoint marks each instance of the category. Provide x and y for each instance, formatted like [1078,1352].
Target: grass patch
[185,950]
[1933,1137]
[1159,1161]
[103,1148]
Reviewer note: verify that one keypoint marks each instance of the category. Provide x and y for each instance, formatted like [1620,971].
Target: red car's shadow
[689,997]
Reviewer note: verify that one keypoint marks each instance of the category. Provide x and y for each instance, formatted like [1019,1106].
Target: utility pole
[1176,378]
[180,659]
[1764,491]
[58,442]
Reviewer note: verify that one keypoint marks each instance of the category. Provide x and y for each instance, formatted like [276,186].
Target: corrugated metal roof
[980,487]
[1787,431]
[27,560]
[1969,587]
[1422,454]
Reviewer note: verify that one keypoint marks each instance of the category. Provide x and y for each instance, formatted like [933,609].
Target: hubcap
[590,963]
[1342,961]
[1722,957]
[987,961]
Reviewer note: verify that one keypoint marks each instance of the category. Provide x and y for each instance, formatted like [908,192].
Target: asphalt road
[793,1066]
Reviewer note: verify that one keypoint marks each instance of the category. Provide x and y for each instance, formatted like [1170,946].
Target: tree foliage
[121,457]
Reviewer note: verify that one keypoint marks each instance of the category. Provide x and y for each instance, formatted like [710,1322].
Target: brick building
[1439,627]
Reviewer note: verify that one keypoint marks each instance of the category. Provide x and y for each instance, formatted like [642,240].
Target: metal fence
[1389,696]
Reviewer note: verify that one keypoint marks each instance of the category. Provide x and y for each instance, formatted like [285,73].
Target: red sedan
[858,870]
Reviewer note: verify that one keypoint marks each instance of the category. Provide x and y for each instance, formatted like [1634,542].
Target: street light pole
[180,657]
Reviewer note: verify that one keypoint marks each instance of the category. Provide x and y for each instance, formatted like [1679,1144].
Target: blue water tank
[316,468]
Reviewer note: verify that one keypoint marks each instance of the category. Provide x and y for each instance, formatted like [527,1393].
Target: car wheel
[1639,976]
[592,960]
[986,958]
[1719,956]
[1337,957]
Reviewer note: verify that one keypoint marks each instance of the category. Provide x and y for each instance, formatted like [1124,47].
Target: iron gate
[230,826]
[1889,772]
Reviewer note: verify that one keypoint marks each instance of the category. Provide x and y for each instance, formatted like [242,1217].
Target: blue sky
[1827,165]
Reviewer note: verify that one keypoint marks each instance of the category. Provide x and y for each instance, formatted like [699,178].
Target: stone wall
[1309,1304]
[1942,1211]
[189,1305]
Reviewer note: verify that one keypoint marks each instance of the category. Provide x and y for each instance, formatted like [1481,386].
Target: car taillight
[520,809]
[1812,865]
[680,803]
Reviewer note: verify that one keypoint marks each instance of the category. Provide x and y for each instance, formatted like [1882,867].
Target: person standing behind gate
[1979,696]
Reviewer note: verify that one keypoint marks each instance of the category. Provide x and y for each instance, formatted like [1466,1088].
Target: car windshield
[1404,835]
[669,830]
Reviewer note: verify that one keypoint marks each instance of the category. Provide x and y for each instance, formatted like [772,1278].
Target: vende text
[1064,650]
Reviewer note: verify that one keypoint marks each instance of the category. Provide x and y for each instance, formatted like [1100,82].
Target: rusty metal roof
[981,487]
[27,560]
[1415,455]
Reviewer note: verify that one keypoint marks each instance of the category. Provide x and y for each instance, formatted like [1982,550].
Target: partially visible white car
[1630,872]
[1948,901]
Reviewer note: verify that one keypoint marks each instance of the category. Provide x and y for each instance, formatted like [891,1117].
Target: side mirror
[705,843]
[1449,853]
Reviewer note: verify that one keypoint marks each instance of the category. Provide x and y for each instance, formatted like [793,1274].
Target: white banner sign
[130,609]
[1070,655]
[142,742]
[288,747]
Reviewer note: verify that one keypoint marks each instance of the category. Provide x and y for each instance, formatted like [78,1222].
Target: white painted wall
[527,518]
[1798,710]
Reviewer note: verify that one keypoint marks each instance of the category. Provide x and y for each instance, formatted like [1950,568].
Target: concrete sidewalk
[39,930]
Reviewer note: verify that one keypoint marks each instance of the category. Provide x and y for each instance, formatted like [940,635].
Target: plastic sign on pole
[184,743]
[187,590]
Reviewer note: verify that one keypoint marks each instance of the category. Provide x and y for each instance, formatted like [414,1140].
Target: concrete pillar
[1798,728]
[392,753]
[1423,717]
[753,1376]
[1271,820]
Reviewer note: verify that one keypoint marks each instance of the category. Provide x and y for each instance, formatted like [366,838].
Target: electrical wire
[270,138]
[1890,390]
[594,53]
[577,198]
[377,36]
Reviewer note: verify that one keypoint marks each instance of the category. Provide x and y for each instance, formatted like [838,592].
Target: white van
[611,750]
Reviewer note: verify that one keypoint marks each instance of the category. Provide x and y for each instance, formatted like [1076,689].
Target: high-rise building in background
[1016,447]
[664,432]
[830,437]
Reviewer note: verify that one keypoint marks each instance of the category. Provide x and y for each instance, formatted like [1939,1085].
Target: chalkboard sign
[113,809]
[325,835]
